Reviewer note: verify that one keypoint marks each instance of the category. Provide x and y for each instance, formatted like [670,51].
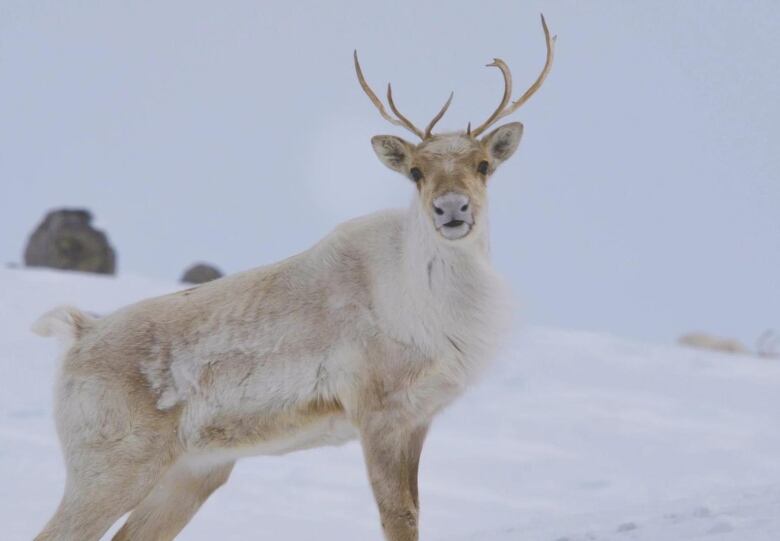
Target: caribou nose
[452,209]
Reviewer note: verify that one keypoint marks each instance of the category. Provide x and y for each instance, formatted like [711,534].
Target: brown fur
[231,432]
[172,503]
[120,455]
[457,173]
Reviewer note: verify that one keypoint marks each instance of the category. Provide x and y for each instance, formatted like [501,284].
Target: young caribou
[366,335]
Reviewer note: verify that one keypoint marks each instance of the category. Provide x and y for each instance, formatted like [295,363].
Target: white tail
[66,323]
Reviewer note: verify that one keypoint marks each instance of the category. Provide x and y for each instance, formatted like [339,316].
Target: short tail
[66,323]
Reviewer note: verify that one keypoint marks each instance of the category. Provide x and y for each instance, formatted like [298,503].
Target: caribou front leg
[392,455]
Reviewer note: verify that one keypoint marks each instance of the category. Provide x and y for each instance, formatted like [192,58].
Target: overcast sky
[644,199]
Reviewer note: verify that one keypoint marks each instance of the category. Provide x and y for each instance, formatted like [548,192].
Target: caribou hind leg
[173,502]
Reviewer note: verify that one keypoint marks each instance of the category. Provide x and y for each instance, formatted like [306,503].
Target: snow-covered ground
[572,436]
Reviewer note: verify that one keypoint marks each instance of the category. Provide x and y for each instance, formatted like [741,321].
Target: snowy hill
[572,436]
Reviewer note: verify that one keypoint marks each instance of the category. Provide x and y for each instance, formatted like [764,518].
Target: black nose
[453,223]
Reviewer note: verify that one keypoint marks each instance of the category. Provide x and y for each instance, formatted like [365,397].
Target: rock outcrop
[65,239]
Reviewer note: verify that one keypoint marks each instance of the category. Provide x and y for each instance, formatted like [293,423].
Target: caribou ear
[502,142]
[394,152]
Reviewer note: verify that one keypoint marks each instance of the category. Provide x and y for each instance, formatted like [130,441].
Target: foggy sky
[644,199]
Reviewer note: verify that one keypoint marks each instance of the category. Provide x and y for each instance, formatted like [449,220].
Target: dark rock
[201,273]
[65,239]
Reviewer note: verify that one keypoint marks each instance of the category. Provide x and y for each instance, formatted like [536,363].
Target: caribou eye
[482,168]
[416,174]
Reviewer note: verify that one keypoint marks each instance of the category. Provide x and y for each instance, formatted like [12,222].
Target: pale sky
[644,199]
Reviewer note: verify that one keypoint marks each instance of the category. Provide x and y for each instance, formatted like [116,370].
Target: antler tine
[550,42]
[405,121]
[500,64]
[438,116]
[376,101]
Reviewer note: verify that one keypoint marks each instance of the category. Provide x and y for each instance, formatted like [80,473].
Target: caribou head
[451,170]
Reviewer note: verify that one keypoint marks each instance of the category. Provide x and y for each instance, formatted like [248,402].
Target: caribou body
[366,335]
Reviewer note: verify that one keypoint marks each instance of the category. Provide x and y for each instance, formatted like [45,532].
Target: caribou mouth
[455,229]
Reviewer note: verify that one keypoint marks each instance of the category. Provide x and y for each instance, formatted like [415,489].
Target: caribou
[367,335]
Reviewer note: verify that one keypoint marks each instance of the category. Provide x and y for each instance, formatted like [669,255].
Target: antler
[504,108]
[438,116]
[400,119]
[404,121]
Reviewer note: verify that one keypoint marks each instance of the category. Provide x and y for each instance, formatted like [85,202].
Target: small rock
[201,273]
[627,527]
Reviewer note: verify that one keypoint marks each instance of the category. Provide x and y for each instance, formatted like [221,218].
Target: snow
[572,436]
